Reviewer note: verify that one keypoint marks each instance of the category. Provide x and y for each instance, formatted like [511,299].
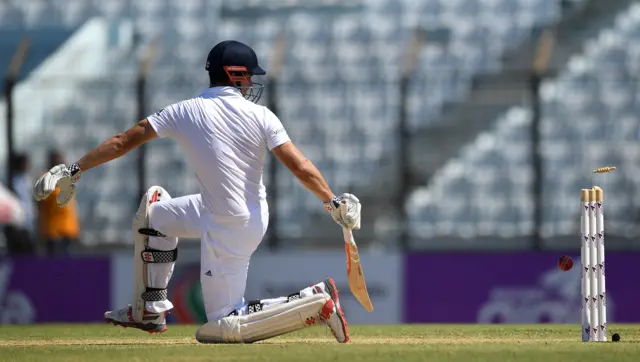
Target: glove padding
[59,176]
[345,211]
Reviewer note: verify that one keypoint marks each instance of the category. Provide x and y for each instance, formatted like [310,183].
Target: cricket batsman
[224,136]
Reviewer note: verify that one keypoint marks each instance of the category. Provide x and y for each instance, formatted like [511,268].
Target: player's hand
[59,176]
[345,211]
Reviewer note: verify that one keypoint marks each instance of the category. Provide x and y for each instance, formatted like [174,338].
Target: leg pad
[270,322]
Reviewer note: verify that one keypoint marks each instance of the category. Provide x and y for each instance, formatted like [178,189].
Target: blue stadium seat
[11,16]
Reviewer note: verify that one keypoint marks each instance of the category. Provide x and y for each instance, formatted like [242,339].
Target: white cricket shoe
[331,313]
[151,322]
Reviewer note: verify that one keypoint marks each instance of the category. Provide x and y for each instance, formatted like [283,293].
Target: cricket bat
[354,271]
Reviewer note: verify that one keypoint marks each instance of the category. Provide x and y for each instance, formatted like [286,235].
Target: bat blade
[355,275]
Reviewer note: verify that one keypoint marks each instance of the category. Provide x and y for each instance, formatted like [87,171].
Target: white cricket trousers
[226,247]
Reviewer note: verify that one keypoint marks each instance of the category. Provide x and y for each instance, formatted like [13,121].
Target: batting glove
[345,211]
[59,176]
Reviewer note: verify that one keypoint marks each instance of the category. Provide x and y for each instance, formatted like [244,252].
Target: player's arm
[309,175]
[65,177]
[118,145]
[344,209]
[304,170]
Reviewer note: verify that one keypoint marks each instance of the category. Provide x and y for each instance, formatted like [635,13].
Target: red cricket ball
[565,263]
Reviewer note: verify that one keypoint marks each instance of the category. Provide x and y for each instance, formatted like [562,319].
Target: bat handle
[348,235]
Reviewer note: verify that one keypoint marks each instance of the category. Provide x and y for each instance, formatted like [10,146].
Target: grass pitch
[398,343]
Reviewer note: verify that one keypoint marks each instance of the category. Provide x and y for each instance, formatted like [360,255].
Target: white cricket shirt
[225,138]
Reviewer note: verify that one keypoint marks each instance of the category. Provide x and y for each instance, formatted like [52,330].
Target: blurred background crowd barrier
[465,127]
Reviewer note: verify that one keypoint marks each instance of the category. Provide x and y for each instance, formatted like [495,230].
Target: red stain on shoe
[327,309]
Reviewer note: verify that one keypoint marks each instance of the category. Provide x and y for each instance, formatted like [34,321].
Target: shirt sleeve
[274,131]
[165,121]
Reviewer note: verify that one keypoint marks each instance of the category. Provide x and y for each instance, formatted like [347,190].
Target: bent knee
[159,216]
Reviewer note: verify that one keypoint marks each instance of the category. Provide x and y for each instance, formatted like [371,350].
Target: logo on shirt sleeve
[159,112]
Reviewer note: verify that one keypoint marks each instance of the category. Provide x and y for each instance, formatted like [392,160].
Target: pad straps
[152,256]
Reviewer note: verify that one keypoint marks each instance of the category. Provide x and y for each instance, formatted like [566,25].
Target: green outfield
[399,343]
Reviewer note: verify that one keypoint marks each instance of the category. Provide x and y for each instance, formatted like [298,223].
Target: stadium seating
[338,92]
[590,120]
[486,191]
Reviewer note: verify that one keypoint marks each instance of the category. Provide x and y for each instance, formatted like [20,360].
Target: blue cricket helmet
[233,60]
[233,53]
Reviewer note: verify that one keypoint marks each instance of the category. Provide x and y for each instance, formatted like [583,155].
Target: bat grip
[348,236]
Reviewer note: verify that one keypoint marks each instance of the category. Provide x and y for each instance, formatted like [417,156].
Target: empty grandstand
[339,95]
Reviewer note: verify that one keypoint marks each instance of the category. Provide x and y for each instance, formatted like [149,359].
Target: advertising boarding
[36,290]
[511,288]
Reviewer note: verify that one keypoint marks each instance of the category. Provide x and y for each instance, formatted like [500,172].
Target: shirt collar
[220,91]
